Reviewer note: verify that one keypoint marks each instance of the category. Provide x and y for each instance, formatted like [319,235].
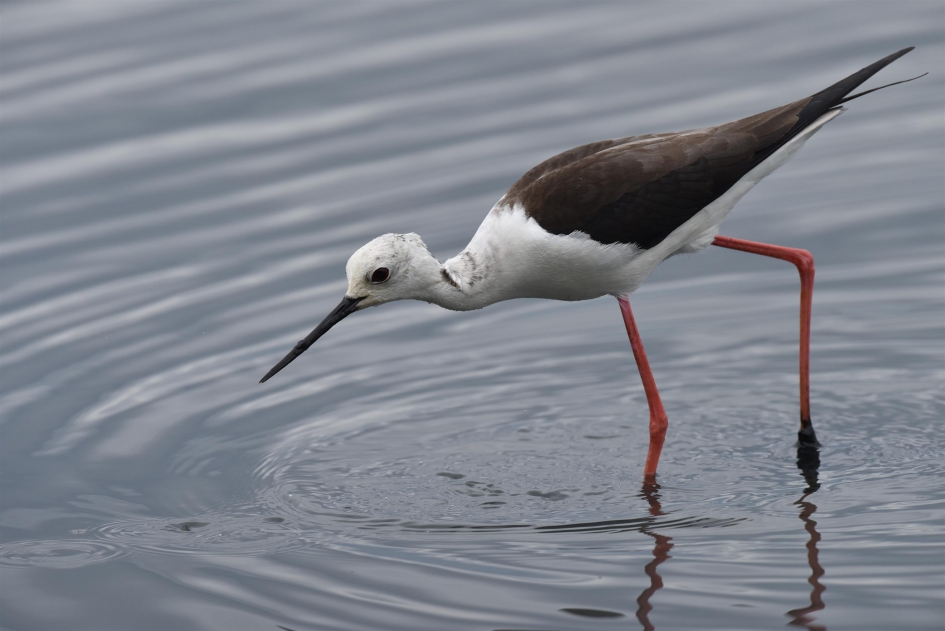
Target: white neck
[462,283]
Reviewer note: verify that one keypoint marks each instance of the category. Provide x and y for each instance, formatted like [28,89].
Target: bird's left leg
[658,420]
[804,261]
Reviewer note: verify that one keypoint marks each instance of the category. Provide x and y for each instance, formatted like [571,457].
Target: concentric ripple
[59,554]
[217,534]
[182,184]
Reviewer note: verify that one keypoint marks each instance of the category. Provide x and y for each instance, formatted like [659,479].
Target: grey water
[181,186]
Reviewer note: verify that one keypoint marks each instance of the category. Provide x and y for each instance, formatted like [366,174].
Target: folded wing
[639,189]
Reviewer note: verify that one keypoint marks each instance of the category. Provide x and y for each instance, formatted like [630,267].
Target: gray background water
[181,186]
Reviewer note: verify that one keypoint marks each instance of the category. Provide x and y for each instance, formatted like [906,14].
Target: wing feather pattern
[639,189]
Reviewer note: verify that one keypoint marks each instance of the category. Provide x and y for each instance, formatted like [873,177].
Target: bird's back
[639,189]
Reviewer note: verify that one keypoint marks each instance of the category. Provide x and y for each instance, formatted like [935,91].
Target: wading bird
[597,219]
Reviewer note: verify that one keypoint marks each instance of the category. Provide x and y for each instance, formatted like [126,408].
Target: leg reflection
[808,461]
[660,553]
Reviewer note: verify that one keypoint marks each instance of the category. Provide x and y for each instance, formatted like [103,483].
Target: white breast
[511,256]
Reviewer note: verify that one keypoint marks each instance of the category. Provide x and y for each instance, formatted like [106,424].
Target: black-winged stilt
[597,219]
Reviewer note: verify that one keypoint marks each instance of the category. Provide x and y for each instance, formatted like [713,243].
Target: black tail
[888,85]
[834,95]
[830,98]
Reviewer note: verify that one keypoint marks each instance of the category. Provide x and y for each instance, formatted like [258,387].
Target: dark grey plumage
[639,189]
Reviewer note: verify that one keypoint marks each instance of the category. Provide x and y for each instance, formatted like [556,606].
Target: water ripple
[182,184]
[59,554]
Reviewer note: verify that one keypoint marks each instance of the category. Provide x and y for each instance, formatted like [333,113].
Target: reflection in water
[661,550]
[808,461]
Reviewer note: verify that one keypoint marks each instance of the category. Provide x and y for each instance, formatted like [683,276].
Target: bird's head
[391,267]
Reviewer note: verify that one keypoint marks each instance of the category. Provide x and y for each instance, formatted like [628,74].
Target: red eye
[380,275]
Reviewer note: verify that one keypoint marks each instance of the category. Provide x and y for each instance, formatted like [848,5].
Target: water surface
[181,187]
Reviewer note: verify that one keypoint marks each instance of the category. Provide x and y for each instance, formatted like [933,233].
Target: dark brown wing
[639,189]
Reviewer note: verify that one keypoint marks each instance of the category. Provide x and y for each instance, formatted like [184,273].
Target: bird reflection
[661,550]
[808,461]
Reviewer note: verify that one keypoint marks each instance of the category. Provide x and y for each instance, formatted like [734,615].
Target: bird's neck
[465,282]
[454,287]
[497,264]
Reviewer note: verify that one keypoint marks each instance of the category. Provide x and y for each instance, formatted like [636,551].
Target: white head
[391,267]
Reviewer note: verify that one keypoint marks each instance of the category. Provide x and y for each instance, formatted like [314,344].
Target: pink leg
[804,262]
[658,420]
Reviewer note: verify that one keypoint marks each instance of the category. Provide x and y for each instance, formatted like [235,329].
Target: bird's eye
[380,275]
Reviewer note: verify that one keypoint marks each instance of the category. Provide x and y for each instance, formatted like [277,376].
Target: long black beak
[343,310]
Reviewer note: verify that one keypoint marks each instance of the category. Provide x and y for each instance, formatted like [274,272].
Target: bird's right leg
[804,262]
[658,420]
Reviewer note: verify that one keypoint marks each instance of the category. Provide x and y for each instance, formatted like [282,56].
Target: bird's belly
[511,256]
[575,267]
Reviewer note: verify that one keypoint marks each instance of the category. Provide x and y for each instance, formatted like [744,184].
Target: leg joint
[804,261]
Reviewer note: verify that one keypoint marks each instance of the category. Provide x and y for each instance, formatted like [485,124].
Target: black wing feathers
[647,215]
[639,189]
